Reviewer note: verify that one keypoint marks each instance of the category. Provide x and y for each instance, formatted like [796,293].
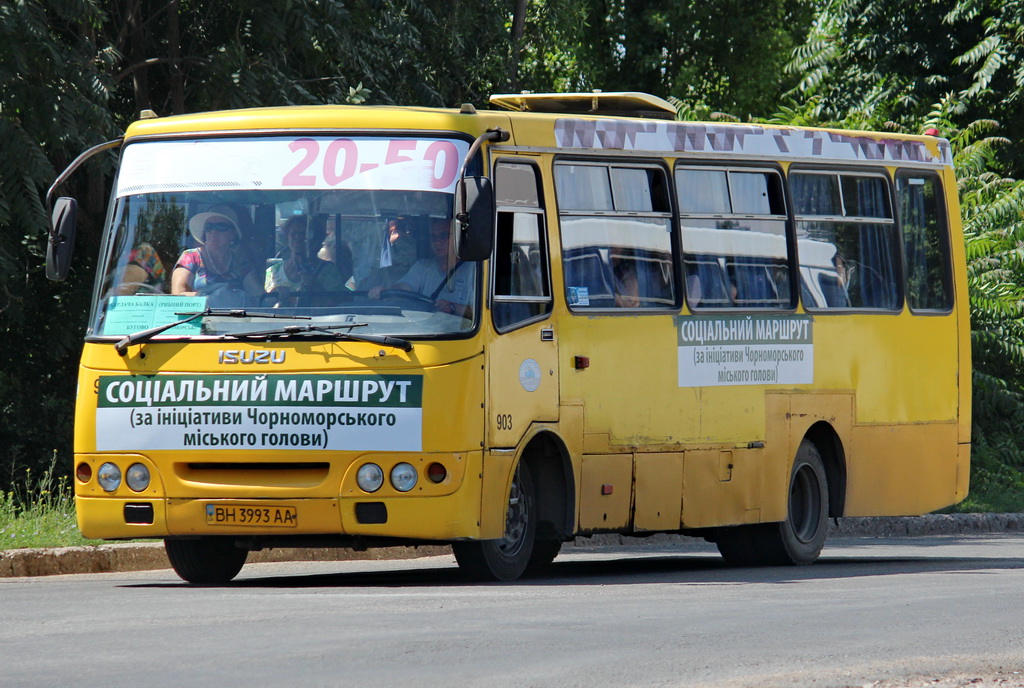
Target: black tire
[505,559]
[205,560]
[738,545]
[544,552]
[802,535]
[798,540]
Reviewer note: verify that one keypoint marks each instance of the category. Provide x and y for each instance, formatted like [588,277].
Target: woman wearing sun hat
[217,267]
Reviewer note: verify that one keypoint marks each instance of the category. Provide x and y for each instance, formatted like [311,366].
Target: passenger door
[523,359]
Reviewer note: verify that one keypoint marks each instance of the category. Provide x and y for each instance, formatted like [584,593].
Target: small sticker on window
[579,296]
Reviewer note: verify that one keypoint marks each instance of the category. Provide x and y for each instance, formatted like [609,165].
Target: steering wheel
[413,296]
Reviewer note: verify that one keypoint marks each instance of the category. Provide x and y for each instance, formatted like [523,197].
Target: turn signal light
[83,472]
[436,473]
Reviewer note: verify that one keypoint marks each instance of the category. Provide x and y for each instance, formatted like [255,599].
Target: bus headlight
[369,477]
[109,477]
[137,477]
[403,477]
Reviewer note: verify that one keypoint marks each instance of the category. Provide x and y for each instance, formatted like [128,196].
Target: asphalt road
[906,611]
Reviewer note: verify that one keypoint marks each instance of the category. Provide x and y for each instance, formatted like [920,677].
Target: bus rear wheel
[505,559]
[797,540]
[205,560]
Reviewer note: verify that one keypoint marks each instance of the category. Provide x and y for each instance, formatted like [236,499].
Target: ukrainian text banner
[311,412]
[745,350]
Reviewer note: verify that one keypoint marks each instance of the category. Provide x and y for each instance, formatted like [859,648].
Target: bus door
[523,358]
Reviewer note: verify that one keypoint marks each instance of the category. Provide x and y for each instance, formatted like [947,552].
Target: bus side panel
[898,470]
[495,482]
[963,317]
[606,492]
[790,415]
[721,487]
[963,470]
[630,388]
[659,487]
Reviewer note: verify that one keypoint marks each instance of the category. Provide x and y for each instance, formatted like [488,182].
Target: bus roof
[577,122]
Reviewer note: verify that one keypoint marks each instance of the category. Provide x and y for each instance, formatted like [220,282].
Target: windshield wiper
[386,340]
[145,335]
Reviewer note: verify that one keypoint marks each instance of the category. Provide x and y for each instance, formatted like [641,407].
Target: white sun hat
[197,225]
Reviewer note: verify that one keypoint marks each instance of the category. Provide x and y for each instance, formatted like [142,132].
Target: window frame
[944,238]
[493,298]
[660,166]
[839,171]
[786,217]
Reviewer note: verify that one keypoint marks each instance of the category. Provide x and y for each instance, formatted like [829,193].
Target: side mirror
[62,238]
[474,222]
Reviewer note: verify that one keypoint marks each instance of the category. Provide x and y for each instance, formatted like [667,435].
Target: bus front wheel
[205,560]
[797,540]
[505,559]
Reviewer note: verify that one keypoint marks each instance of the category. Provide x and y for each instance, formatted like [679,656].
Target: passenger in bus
[627,283]
[837,292]
[447,283]
[299,273]
[218,268]
[397,255]
[693,289]
[144,273]
[338,252]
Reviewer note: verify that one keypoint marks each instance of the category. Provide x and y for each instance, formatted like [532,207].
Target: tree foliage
[889,60]
[727,56]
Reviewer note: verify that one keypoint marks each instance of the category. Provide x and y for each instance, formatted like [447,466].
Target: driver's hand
[375,292]
[445,306]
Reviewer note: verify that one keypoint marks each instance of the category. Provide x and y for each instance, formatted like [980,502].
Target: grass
[40,512]
[997,481]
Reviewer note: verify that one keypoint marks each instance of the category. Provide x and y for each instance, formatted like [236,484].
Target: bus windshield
[324,231]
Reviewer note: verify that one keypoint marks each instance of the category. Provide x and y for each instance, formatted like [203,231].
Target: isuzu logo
[240,356]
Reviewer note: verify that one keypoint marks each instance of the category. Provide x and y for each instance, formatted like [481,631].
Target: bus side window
[705,284]
[616,230]
[733,224]
[925,241]
[847,235]
[521,286]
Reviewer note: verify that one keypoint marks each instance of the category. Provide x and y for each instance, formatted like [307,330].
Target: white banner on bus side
[745,350]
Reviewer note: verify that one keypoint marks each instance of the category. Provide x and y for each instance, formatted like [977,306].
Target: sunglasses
[219,227]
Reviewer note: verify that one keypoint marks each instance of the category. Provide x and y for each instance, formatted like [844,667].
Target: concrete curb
[148,556]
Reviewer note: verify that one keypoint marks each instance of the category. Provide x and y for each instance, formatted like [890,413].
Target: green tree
[728,55]
[52,106]
[889,60]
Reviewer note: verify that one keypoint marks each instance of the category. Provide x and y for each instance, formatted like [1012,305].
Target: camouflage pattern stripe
[749,140]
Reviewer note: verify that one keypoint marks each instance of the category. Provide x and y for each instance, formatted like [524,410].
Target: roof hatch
[613,103]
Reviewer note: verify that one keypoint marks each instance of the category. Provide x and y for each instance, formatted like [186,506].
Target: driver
[299,273]
[218,264]
[448,284]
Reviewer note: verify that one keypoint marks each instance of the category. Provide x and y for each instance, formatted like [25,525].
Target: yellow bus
[503,329]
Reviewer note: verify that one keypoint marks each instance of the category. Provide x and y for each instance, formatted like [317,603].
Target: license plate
[251,515]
